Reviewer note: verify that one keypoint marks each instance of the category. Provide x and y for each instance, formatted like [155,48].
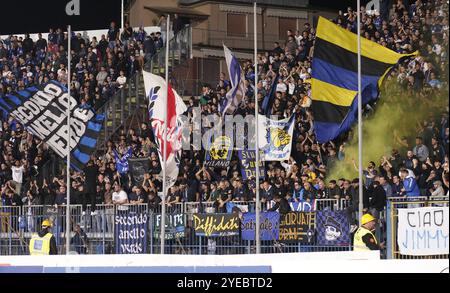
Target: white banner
[275,138]
[423,231]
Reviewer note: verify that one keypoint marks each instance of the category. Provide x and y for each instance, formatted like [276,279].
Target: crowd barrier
[394,205]
[99,230]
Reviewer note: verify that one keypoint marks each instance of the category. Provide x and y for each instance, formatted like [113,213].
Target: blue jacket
[411,187]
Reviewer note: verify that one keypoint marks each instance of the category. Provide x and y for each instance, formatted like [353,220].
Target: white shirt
[120,196]
[121,80]
[281,87]
[17,174]
[291,88]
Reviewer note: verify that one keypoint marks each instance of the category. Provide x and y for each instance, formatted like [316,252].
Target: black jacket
[53,248]
[377,198]
[283,207]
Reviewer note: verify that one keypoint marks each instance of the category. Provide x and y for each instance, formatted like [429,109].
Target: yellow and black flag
[334,80]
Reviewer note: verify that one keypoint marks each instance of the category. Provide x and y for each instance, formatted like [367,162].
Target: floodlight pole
[360,134]
[68,112]
[258,204]
[163,206]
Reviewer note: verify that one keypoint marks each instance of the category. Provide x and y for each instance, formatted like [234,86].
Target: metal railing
[180,49]
[128,100]
[98,233]
[215,38]
[391,214]
[120,107]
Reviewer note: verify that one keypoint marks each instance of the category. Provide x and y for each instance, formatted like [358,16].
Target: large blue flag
[122,162]
[42,111]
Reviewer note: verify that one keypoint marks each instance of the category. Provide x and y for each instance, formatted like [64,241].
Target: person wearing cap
[43,242]
[364,238]
[437,189]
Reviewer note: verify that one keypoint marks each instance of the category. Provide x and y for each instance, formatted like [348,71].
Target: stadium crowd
[100,68]
[412,169]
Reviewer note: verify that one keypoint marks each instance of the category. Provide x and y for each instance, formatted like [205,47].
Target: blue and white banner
[237,92]
[303,206]
[248,164]
[122,162]
[269,226]
[233,206]
[275,137]
[333,228]
[131,232]
[42,111]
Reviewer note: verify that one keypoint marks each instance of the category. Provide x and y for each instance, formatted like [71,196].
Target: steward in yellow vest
[43,243]
[364,238]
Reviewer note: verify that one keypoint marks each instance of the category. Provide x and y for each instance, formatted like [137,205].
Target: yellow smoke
[397,114]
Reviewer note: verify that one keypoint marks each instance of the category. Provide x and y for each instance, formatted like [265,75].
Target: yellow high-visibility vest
[40,245]
[358,243]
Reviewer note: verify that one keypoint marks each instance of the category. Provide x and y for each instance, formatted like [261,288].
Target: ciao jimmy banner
[42,111]
[213,225]
[131,232]
[423,231]
[297,227]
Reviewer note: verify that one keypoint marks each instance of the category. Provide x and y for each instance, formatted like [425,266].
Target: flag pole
[360,138]
[69,57]
[163,206]
[122,15]
[258,205]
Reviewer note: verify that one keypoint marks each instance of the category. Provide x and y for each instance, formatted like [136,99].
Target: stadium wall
[320,262]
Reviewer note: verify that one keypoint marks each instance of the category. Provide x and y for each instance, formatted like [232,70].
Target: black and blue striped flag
[335,77]
[270,97]
[42,112]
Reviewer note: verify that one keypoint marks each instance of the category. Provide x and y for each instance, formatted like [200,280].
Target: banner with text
[423,231]
[303,206]
[219,152]
[213,225]
[175,226]
[131,232]
[297,227]
[333,228]
[248,164]
[42,110]
[269,226]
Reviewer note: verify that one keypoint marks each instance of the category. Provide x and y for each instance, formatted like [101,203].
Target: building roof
[178,10]
[284,3]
